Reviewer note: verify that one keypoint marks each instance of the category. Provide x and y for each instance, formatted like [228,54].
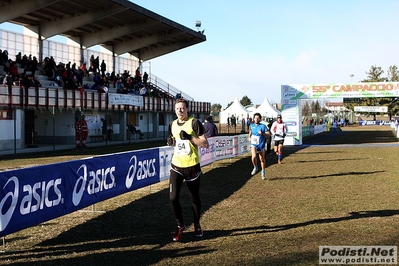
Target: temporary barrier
[34,195]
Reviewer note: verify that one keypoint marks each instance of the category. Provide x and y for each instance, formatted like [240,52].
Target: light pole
[351,77]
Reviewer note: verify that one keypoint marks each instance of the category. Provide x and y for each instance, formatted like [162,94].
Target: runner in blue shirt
[257,137]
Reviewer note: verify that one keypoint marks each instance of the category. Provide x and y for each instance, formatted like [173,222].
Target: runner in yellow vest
[185,135]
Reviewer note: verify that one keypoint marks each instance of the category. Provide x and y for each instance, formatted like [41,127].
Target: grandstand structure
[129,35]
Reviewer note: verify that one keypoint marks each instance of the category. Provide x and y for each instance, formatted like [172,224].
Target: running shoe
[179,233]
[254,170]
[198,231]
[263,175]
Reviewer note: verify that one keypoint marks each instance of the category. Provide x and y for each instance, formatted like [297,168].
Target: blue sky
[255,46]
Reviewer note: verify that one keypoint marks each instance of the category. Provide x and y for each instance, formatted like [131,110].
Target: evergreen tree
[375,75]
[245,101]
[393,74]
[215,110]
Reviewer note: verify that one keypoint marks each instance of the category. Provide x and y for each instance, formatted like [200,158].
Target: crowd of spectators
[27,78]
[70,76]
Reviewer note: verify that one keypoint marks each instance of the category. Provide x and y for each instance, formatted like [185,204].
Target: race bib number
[182,147]
[255,140]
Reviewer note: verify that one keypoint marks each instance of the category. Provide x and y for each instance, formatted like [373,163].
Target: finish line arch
[292,94]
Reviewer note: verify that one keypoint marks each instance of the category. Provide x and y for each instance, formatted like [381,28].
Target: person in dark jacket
[210,127]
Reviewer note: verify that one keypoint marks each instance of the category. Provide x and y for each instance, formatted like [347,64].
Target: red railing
[60,99]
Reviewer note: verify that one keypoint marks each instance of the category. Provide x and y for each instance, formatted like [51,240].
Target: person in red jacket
[82,131]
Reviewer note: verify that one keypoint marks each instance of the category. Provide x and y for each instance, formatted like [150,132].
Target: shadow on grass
[323,176]
[269,229]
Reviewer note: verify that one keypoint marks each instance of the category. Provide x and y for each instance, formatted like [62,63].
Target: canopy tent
[236,109]
[266,110]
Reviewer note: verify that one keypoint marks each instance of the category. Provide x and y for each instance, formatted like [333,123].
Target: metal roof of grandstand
[118,25]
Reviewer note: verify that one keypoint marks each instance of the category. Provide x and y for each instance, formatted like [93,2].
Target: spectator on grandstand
[24,61]
[145,78]
[98,82]
[102,89]
[126,74]
[137,76]
[27,82]
[119,86]
[143,91]
[103,68]
[83,67]
[106,80]
[79,77]
[3,57]
[9,81]
[97,64]
[11,67]
[51,69]
[73,68]
[18,58]
[92,67]
[112,78]
[33,65]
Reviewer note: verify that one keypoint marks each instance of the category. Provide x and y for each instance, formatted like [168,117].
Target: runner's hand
[170,141]
[185,135]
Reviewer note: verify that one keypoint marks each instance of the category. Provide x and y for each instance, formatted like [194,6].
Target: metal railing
[166,87]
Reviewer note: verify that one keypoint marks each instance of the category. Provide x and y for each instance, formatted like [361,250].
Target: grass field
[342,190]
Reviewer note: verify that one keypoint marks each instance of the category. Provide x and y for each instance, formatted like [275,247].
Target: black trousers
[192,177]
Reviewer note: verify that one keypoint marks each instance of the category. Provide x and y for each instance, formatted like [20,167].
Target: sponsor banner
[311,130]
[348,255]
[290,123]
[224,147]
[59,189]
[342,90]
[288,95]
[125,99]
[371,109]
[374,123]
[243,144]
[286,102]
[208,155]
[165,160]
[290,106]
[319,129]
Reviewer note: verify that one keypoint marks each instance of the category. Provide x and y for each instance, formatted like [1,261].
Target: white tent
[266,110]
[236,109]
